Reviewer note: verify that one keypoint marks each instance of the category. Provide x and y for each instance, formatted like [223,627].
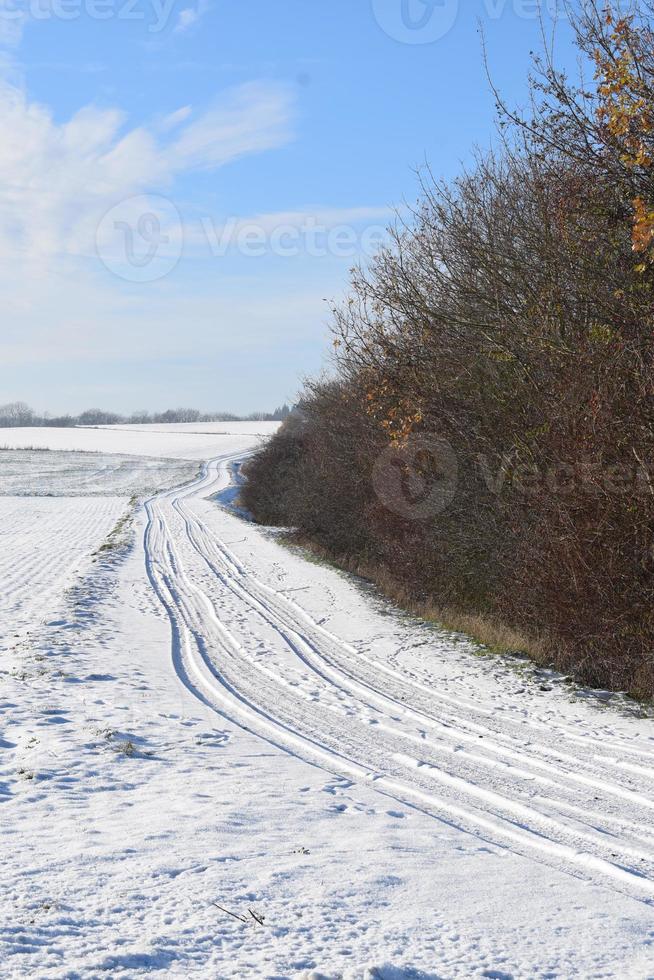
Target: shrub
[511,318]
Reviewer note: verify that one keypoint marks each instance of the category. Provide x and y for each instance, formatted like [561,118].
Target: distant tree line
[511,319]
[18,414]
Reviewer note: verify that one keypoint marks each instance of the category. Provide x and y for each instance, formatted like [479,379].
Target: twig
[644,469]
[240,918]
[257,918]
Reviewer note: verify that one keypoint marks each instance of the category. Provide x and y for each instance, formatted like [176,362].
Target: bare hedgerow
[510,318]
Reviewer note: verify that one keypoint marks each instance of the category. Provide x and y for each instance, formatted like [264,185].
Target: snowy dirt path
[211,722]
[575,802]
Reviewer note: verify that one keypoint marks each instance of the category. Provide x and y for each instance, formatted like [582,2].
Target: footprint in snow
[213,739]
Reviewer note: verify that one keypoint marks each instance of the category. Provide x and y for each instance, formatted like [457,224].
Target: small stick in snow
[240,918]
[257,918]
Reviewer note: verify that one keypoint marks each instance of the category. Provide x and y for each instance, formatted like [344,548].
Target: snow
[45,544]
[198,441]
[210,720]
[71,474]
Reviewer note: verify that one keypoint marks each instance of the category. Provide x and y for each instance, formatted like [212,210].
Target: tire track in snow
[217,668]
[308,649]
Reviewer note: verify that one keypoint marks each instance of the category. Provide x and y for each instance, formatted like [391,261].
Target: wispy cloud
[255,117]
[58,179]
[174,119]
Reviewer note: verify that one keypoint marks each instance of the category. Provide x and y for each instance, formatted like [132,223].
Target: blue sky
[183,183]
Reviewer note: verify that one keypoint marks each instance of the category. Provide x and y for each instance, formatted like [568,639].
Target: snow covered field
[198,441]
[45,544]
[211,724]
[70,474]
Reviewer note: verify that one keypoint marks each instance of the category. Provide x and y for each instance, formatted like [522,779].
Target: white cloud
[254,118]
[61,305]
[186,19]
[174,119]
[190,16]
[58,179]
